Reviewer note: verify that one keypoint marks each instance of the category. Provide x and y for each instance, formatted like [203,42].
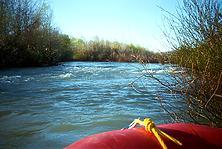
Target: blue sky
[128,21]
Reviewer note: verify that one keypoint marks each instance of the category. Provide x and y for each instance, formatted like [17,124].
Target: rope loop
[151,128]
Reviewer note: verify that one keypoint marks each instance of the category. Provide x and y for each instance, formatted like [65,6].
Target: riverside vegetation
[197,48]
[100,50]
[29,38]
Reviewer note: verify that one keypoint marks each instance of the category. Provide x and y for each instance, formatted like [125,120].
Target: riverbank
[29,38]
[198,49]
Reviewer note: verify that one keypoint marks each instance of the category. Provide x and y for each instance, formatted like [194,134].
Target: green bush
[27,37]
[100,50]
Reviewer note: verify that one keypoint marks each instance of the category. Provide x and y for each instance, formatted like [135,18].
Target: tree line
[29,38]
[104,50]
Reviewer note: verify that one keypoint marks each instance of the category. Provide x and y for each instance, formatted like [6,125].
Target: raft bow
[150,136]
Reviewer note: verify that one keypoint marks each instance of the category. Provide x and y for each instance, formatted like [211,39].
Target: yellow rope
[150,127]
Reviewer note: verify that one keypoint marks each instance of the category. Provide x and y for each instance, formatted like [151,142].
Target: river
[50,107]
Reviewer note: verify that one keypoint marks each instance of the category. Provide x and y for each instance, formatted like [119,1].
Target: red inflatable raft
[190,135]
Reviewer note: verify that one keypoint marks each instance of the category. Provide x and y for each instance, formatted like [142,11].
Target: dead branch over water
[197,51]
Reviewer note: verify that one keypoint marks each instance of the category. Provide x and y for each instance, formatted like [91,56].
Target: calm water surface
[51,107]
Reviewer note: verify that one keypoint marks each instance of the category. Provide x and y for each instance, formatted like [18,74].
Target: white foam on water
[67,75]
[9,79]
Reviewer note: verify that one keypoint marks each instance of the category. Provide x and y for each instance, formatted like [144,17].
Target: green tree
[27,36]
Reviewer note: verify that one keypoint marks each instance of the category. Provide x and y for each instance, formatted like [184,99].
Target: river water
[50,107]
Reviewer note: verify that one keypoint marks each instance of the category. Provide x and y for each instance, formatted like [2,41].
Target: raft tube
[190,135]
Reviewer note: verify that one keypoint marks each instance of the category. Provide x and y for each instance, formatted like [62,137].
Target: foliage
[197,46]
[100,50]
[27,36]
